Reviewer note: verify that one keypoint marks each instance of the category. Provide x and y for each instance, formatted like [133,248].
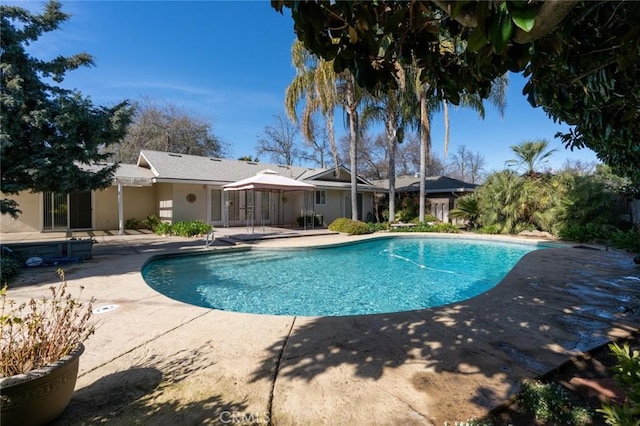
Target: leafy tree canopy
[51,138]
[582,58]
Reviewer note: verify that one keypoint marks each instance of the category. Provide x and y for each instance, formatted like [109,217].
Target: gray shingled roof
[165,166]
[127,174]
[169,166]
[433,184]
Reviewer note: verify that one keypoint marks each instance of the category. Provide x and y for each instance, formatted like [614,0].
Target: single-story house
[441,192]
[177,187]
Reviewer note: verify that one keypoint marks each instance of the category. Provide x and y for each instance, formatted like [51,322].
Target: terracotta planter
[40,395]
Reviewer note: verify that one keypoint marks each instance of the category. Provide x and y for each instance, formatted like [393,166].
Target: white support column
[120,211]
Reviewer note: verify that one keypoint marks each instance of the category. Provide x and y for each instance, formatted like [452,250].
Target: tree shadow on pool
[528,325]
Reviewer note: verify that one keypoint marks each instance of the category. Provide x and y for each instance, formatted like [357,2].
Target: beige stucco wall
[169,202]
[185,210]
[29,220]
[339,205]
[137,203]
[105,208]
[333,208]
[294,207]
[173,205]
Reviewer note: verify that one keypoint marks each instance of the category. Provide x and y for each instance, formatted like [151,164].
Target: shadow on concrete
[155,393]
[531,323]
[128,397]
[106,397]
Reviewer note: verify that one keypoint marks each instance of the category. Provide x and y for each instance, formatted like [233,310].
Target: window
[321,198]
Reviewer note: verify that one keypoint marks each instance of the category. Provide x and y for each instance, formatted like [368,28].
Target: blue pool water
[376,276]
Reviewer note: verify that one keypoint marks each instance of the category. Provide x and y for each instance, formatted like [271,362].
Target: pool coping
[161,360]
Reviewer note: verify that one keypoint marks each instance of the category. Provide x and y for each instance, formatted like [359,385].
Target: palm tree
[530,154]
[429,104]
[502,200]
[315,81]
[323,90]
[514,203]
[395,108]
[468,209]
[351,103]
[425,144]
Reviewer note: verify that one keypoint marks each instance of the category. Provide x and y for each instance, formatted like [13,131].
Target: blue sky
[228,62]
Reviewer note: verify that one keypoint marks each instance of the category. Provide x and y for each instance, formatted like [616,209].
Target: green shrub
[151,222]
[163,228]
[627,375]
[429,227]
[349,226]
[431,218]
[9,267]
[408,208]
[626,240]
[590,232]
[190,228]
[552,404]
[445,227]
[377,226]
[406,215]
[133,224]
[468,210]
[489,229]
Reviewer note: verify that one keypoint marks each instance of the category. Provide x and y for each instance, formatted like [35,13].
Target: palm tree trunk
[425,150]
[332,142]
[392,141]
[445,110]
[353,145]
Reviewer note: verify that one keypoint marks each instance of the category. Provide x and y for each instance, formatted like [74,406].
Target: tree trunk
[353,146]
[332,142]
[425,150]
[392,141]
[445,110]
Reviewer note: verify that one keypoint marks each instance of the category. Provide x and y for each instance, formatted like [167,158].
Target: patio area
[158,361]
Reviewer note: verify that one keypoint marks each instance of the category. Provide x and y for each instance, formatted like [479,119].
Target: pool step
[240,258]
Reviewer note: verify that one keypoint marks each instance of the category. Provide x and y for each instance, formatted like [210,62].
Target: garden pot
[41,395]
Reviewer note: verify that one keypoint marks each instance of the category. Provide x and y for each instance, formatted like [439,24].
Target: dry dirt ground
[588,378]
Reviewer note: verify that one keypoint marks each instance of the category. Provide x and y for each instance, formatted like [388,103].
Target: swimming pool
[375,276]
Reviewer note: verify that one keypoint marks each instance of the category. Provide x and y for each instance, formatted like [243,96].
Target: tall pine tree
[51,138]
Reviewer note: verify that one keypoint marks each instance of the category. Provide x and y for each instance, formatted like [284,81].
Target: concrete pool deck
[157,361]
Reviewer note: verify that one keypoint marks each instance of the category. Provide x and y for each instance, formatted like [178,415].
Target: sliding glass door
[64,212]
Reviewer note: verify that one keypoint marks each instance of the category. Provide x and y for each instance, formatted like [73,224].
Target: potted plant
[40,343]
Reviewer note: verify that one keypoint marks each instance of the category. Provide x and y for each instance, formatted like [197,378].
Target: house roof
[157,166]
[131,174]
[167,166]
[433,184]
